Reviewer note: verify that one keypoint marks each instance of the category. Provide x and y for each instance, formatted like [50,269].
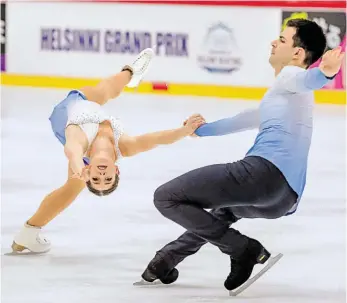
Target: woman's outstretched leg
[111,87]
[52,205]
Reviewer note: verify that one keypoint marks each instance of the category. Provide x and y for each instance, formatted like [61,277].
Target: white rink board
[200,45]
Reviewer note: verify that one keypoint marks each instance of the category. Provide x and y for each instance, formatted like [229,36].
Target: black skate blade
[271,262]
[146,283]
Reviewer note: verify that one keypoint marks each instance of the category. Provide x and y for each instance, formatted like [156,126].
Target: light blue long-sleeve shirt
[284,119]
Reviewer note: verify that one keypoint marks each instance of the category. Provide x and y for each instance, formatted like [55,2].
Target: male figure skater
[269,181]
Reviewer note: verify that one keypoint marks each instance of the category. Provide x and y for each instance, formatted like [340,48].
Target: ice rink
[102,245]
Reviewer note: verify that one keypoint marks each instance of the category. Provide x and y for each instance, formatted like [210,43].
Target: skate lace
[142,66]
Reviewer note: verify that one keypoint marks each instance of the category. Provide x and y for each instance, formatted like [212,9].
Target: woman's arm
[74,149]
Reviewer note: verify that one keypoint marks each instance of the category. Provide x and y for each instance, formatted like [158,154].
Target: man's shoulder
[290,70]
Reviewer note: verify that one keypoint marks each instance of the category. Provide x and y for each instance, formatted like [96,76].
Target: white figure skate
[140,67]
[29,241]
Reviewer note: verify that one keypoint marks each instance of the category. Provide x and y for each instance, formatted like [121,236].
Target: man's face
[282,51]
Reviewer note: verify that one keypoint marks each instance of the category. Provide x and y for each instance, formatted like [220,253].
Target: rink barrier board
[54,49]
[323,96]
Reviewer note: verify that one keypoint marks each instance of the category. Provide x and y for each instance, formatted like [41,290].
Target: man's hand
[331,62]
[193,122]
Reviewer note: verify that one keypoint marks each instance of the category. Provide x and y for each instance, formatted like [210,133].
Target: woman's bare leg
[51,206]
[108,88]
[54,203]
[111,87]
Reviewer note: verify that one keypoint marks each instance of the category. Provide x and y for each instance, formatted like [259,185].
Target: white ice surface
[102,245]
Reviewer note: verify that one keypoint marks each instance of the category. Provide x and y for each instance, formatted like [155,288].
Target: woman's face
[101,173]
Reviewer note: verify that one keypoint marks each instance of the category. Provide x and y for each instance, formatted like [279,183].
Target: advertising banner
[218,47]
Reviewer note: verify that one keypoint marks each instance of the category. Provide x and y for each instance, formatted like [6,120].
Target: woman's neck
[102,146]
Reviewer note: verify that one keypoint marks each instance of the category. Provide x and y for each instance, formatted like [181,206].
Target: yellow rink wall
[232,92]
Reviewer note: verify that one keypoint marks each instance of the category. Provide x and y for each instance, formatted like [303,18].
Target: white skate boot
[29,238]
[140,66]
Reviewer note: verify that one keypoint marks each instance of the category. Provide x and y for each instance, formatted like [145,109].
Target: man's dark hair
[309,36]
[105,192]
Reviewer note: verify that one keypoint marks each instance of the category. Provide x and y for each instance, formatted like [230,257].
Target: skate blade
[136,88]
[25,253]
[146,283]
[271,262]
[19,250]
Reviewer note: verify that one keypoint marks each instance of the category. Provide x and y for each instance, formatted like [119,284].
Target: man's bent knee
[161,196]
[164,196]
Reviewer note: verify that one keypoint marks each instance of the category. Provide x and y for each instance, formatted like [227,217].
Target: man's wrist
[330,77]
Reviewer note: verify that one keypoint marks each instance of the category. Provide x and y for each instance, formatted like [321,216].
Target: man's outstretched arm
[246,120]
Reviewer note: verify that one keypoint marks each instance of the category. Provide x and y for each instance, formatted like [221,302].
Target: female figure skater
[93,142]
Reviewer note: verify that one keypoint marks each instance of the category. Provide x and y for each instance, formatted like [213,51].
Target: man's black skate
[158,269]
[241,269]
